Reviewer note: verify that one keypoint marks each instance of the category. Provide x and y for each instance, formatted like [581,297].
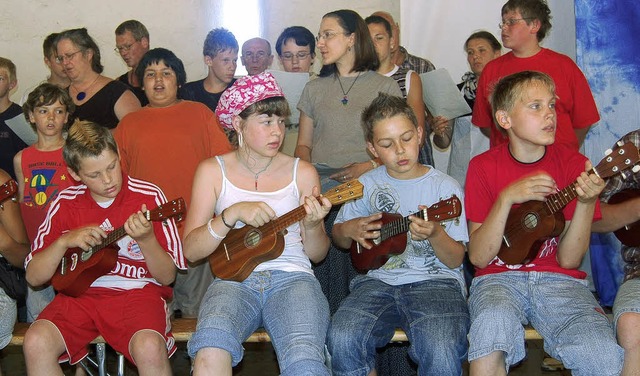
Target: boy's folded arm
[449,251]
[339,236]
[485,239]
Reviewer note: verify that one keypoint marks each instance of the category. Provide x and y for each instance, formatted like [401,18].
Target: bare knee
[43,339]
[628,328]
[148,347]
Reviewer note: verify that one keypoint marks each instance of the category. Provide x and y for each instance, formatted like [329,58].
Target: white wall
[180,26]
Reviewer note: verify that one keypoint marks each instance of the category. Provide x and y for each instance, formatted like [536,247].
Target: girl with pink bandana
[252,186]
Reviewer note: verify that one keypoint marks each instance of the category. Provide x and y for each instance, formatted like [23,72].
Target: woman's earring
[240,140]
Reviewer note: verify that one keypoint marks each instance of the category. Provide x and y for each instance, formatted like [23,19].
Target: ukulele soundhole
[530,221]
[253,238]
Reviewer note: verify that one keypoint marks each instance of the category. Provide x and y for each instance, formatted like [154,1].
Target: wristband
[225,222]
[213,233]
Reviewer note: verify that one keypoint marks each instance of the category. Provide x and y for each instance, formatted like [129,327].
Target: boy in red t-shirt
[127,306]
[548,292]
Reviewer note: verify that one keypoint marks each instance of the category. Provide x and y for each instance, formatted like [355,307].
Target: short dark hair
[531,10]
[86,139]
[44,95]
[49,46]
[219,40]
[379,21]
[510,88]
[490,38]
[137,29]
[300,34]
[81,38]
[157,55]
[385,106]
[365,54]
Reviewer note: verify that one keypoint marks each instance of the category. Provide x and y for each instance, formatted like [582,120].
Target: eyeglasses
[66,57]
[124,47]
[300,55]
[512,21]
[327,35]
[258,55]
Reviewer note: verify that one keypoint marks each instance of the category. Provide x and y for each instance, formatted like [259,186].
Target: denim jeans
[291,308]
[433,314]
[627,299]
[561,308]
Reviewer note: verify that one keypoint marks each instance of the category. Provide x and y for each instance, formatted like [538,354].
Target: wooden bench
[183,329]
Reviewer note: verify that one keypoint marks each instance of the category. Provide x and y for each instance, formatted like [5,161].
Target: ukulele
[8,190]
[78,268]
[246,247]
[392,239]
[627,234]
[533,222]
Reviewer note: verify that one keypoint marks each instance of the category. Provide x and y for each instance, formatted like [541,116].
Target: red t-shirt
[575,106]
[489,173]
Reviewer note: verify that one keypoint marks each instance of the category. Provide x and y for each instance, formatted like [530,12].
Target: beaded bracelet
[213,233]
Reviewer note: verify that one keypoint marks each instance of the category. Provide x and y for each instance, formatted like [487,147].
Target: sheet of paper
[292,85]
[441,95]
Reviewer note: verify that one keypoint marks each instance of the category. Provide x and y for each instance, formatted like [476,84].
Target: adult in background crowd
[466,140]
[97,98]
[163,143]
[256,55]
[57,75]
[132,42]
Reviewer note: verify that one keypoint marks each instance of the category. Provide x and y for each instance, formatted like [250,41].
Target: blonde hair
[86,139]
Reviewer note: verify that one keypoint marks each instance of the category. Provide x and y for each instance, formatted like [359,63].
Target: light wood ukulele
[393,238]
[533,222]
[245,248]
[78,268]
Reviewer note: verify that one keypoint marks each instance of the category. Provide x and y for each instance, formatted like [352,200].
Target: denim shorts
[627,299]
[561,308]
[433,313]
[290,306]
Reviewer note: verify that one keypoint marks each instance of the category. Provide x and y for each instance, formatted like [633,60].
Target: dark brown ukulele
[245,248]
[8,190]
[533,222]
[79,268]
[393,238]
[627,234]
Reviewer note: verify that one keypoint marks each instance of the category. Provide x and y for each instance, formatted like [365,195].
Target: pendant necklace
[83,94]
[345,98]
[256,175]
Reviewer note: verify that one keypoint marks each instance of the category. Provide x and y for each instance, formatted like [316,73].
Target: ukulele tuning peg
[608,151]
[619,143]
[635,169]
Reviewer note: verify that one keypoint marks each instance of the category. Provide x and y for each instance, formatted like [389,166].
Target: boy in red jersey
[548,292]
[127,306]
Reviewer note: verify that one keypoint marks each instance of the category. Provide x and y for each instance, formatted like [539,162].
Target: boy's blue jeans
[561,308]
[433,314]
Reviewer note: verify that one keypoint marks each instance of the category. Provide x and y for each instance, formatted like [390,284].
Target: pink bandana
[243,93]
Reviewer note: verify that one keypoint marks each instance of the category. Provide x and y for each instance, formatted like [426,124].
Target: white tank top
[281,201]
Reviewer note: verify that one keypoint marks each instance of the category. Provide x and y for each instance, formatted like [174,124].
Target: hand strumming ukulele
[78,268]
[245,248]
[533,222]
[8,190]
[393,238]
[627,234]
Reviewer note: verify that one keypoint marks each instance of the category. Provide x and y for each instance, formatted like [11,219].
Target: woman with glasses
[330,134]
[97,98]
